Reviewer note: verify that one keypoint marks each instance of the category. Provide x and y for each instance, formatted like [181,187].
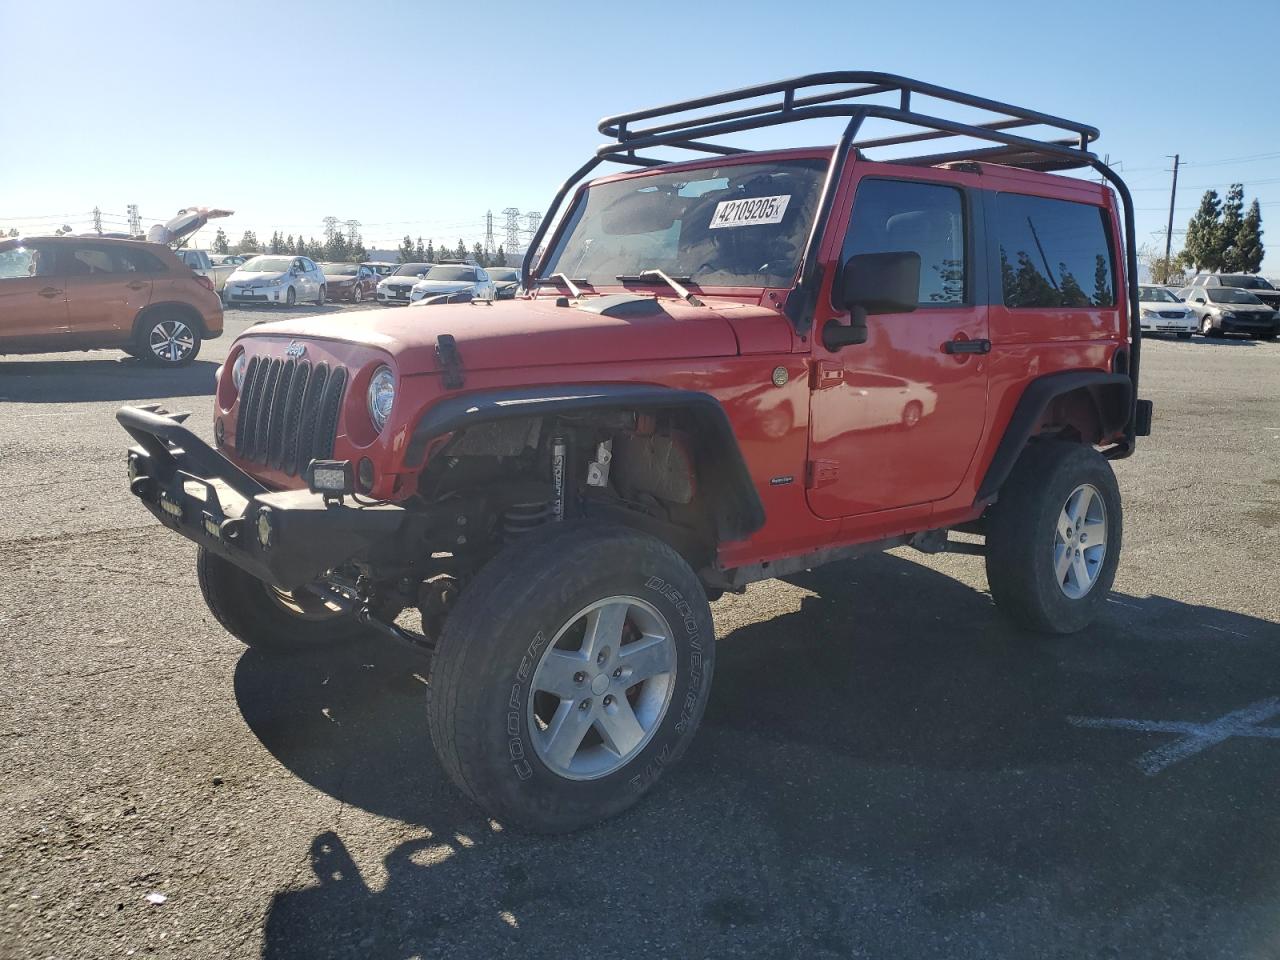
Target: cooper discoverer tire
[526,662]
[247,608]
[1054,537]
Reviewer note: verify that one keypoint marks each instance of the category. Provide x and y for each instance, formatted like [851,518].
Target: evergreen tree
[219,244]
[405,251]
[1102,295]
[419,252]
[13,231]
[460,251]
[431,252]
[1203,247]
[1232,220]
[1248,245]
[288,243]
[358,253]
[248,243]
[335,248]
[300,247]
[501,259]
[1070,293]
[315,249]
[277,242]
[477,254]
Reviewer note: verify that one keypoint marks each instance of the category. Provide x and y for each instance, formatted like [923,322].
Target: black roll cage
[790,103]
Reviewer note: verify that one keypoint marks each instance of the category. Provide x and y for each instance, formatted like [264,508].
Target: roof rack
[695,125]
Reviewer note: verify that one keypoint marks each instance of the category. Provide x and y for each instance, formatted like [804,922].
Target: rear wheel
[1053,537]
[356,294]
[320,296]
[165,340]
[571,673]
[267,619]
[291,296]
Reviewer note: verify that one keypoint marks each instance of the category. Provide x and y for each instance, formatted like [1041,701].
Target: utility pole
[135,219]
[488,233]
[1168,237]
[513,229]
[97,220]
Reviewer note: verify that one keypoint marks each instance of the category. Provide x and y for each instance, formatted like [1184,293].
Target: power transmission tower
[135,219]
[330,227]
[97,220]
[353,233]
[1168,237]
[513,229]
[488,233]
[533,218]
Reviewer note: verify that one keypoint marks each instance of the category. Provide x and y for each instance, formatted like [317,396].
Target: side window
[140,261]
[19,263]
[1053,253]
[891,216]
[87,261]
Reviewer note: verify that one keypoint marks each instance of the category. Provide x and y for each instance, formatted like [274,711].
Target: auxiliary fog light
[211,527]
[330,477]
[170,506]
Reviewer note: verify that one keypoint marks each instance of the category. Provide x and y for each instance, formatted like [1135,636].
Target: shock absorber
[559,465]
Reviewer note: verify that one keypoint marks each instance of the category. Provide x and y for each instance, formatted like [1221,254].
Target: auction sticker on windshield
[748,213]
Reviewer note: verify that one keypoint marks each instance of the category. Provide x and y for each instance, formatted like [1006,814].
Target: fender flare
[738,509]
[1112,396]
[176,306]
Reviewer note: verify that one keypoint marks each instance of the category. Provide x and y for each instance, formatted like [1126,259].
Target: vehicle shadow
[1224,341]
[887,768]
[97,379]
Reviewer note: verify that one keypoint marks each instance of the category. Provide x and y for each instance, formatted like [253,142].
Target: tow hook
[362,610]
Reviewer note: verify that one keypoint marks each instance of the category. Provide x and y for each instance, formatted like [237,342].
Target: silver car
[276,279]
[1231,310]
[1162,312]
[506,280]
[453,283]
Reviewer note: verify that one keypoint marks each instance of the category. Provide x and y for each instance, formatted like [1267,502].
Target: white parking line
[1195,737]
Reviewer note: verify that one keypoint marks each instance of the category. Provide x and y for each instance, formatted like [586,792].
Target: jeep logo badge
[295,349]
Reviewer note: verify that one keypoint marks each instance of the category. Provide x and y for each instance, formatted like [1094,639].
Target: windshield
[1230,295]
[504,274]
[443,272]
[267,265]
[411,269]
[1156,295]
[1246,283]
[738,224]
[339,269]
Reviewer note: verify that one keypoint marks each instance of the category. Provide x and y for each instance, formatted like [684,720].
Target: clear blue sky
[418,117]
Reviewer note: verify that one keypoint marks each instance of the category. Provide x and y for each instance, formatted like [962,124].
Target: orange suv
[85,293]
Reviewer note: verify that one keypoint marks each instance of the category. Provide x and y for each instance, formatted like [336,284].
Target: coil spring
[522,518]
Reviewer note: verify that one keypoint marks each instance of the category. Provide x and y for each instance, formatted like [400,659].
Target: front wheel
[1207,328]
[320,296]
[267,619]
[572,672]
[290,296]
[356,295]
[1053,537]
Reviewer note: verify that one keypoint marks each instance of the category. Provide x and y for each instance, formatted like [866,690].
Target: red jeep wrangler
[727,370]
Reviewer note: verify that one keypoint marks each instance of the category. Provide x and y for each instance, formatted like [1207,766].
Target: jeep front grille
[289,412]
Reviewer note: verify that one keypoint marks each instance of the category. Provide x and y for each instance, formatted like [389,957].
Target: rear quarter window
[1053,253]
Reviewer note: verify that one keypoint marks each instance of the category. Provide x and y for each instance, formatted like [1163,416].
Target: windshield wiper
[673,282]
[552,278]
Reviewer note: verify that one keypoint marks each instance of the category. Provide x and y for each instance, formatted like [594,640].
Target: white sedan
[1160,311]
[453,283]
[275,279]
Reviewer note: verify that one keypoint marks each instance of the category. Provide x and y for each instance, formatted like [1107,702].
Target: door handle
[50,292]
[967,346]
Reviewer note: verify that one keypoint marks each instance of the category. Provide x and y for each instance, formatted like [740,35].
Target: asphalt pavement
[886,768]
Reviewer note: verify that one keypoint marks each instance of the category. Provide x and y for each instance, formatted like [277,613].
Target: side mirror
[873,283]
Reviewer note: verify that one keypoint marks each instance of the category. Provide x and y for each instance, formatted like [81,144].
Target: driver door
[895,421]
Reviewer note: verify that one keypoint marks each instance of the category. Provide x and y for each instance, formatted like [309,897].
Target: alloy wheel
[172,341]
[1080,541]
[602,688]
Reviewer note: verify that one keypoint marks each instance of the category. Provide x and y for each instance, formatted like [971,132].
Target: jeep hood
[533,333]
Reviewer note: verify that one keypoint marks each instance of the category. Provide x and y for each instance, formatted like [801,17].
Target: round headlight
[237,371]
[382,393]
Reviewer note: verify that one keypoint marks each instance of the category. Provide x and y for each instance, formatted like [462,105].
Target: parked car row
[449,281]
[1213,305]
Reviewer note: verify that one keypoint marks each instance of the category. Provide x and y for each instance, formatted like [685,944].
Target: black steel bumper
[286,538]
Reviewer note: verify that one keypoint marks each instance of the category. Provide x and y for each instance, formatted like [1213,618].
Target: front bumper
[254,294]
[287,538]
[1158,324]
[393,296]
[1239,324]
